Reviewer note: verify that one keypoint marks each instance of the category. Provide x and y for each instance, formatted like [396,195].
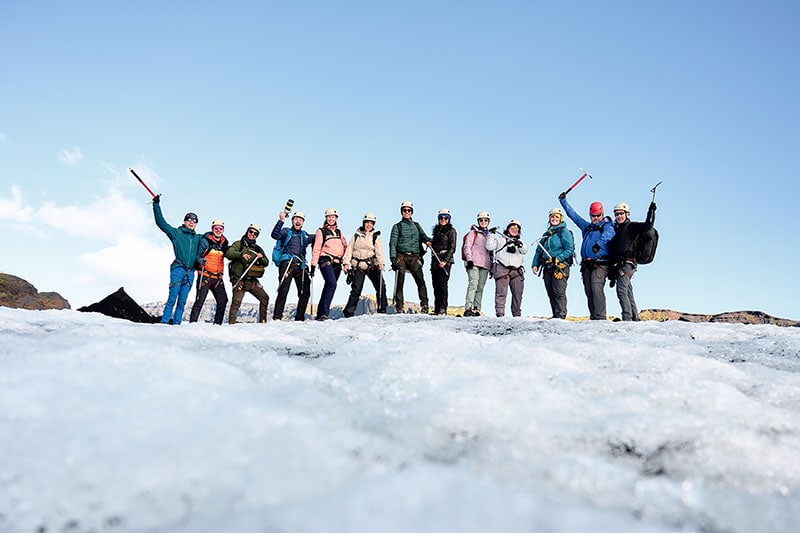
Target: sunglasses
[597,216]
[483,220]
[444,217]
[252,231]
[217,228]
[620,214]
[406,210]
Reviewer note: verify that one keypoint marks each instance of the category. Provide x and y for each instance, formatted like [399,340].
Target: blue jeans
[330,273]
[180,283]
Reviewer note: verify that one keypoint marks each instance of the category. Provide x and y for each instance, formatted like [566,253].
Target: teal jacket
[559,243]
[407,237]
[184,240]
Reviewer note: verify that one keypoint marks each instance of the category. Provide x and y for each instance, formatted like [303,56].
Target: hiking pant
[594,282]
[180,284]
[477,277]
[439,278]
[330,273]
[357,285]
[625,292]
[302,280]
[253,286]
[408,262]
[556,291]
[217,288]
[504,279]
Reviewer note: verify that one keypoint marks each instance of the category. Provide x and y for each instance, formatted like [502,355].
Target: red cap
[596,208]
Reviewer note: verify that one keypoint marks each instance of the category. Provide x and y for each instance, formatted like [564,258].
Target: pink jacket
[330,246]
[475,248]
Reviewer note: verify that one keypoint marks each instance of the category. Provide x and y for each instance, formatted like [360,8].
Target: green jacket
[407,236]
[238,264]
[184,240]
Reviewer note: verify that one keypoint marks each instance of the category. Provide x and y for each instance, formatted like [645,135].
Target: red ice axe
[583,176]
[135,175]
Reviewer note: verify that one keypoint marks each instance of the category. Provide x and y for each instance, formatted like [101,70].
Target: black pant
[217,288]
[439,278]
[357,285]
[303,282]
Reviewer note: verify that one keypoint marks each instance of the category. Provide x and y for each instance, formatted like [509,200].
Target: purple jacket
[475,247]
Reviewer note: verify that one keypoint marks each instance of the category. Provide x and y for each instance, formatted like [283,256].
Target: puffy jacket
[365,249]
[444,243]
[475,247]
[213,251]
[593,234]
[407,237]
[296,246]
[238,264]
[326,243]
[623,245]
[184,240]
[499,243]
[559,243]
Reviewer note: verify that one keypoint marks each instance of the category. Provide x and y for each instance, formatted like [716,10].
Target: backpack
[646,244]
[464,243]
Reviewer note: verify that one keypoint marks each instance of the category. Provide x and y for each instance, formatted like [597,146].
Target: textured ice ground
[397,423]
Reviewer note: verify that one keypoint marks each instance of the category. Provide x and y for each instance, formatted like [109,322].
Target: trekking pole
[440,260]
[583,176]
[135,175]
[311,291]
[394,294]
[653,190]
[244,273]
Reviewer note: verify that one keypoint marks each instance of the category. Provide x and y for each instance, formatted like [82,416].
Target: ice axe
[653,190]
[135,175]
[583,176]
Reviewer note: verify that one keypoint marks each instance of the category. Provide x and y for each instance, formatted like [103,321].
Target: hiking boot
[424,309]
[321,318]
[467,311]
[399,310]
[474,312]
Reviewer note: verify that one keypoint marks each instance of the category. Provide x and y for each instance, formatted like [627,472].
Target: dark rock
[19,294]
[120,305]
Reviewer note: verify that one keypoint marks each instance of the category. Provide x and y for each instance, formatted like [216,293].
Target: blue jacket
[184,240]
[593,234]
[559,243]
[296,246]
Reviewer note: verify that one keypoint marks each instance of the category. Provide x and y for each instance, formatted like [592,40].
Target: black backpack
[646,244]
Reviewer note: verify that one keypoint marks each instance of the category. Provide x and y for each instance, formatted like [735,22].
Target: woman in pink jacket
[329,248]
[478,263]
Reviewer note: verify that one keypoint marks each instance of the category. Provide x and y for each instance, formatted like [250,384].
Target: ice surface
[397,423]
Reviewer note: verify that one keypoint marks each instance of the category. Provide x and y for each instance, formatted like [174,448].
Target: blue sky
[228,110]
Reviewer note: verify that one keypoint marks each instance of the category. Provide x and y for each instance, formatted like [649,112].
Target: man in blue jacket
[595,255]
[181,271]
[292,243]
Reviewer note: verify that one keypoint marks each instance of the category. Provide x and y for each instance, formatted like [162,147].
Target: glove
[550,261]
[517,243]
[470,265]
[313,270]
[562,195]
[652,206]
[393,262]
[156,198]
[201,262]
[493,230]
[596,248]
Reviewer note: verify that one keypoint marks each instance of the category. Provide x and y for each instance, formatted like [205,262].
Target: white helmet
[484,214]
[299,214]
[408,204]
[622,206]
[217,222]
[556,211]
[446,212]
[514,222]
[370,217]
[331,211]
[255,227]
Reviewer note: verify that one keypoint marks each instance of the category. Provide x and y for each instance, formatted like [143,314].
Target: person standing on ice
[623,253]
[327,253]
[211,265]
[247,264]
[406,248]
[508,272]
[553,258]
[443,247]
[291,262]
[477,262]
[595,255]
[181,271]
[364,259]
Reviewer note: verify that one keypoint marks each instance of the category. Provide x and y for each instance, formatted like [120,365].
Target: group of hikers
[607,252]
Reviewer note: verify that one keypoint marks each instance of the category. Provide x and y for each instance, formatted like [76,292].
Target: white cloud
[15,209]
[70,156]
